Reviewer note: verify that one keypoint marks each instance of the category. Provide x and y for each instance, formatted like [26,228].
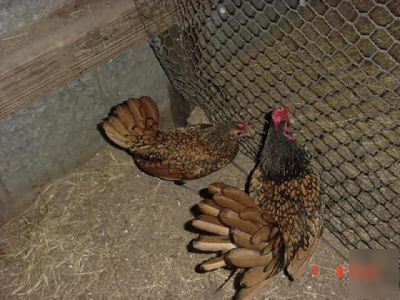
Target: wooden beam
[38,58]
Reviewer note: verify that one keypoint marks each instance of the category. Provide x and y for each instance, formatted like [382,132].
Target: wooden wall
[36,59]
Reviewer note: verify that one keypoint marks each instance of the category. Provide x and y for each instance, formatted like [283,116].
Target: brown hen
[277,227]
[178,154]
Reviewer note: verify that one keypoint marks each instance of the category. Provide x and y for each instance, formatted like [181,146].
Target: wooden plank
[38,58]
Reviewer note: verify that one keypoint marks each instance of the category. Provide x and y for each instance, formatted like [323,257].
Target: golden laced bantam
[178,154]
[277,226]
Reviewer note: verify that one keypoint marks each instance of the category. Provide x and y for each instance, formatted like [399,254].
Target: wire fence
[335,63]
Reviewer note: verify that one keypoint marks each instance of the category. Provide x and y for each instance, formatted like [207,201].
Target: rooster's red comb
[279,114]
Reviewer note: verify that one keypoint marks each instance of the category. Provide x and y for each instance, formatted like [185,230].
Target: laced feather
[244,237]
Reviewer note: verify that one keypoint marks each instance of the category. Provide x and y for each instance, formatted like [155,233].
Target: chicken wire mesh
[335,63]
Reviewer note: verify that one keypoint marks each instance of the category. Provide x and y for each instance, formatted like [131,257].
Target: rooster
[178,154]
[277,226]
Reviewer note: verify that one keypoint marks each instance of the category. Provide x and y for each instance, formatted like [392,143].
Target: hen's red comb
[244,125]
[279,114]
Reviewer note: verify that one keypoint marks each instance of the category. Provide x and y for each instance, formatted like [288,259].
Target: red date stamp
[359,271]
[371,274]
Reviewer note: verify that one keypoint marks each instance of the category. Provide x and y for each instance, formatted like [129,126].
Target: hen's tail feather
[209,207]
[253,214]
[252,277]
[210,224]
[216,187]
[239,196]
[233,220]
[261,235]
[132,122]
[213,243]
[251,292]
[246,238]
[243,240]
[213,263]
[298,265]
[245,258]
[223,201]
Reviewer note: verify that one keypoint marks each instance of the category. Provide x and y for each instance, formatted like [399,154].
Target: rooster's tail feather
[242,235]
[131,120]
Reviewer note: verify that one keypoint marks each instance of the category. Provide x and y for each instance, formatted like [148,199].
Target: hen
[278,226]
[178,154]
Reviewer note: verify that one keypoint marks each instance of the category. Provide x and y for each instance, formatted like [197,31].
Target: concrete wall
[55,134]
[17,13]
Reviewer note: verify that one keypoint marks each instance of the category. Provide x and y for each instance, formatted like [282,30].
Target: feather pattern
[177,154]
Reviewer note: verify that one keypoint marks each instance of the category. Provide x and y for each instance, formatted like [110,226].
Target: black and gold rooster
[277,226]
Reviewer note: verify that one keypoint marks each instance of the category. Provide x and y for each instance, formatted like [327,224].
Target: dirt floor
[108,231]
